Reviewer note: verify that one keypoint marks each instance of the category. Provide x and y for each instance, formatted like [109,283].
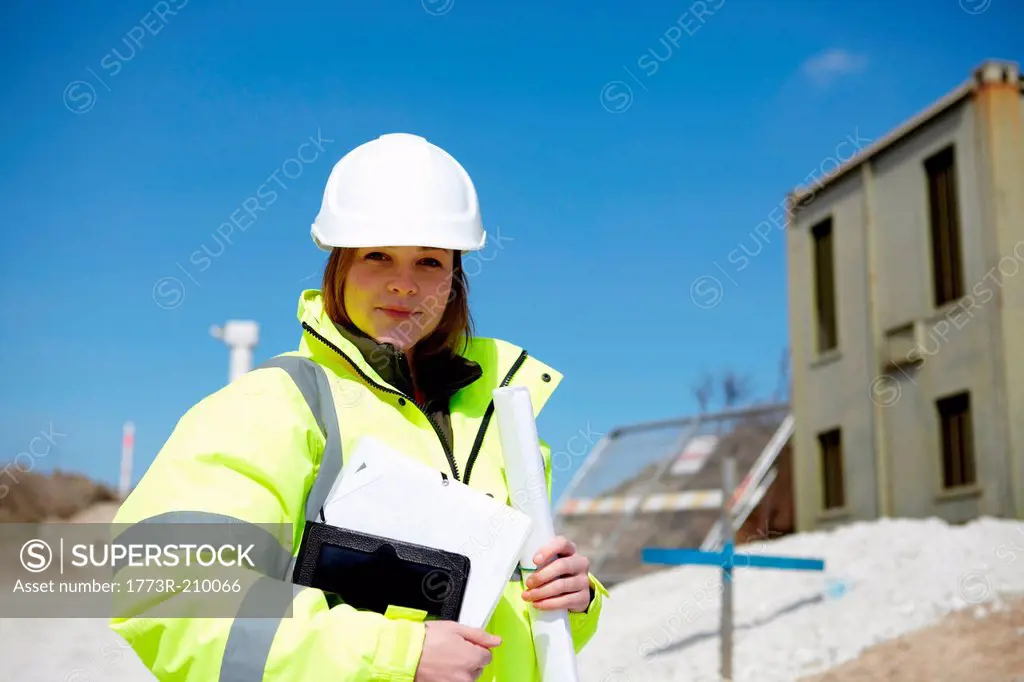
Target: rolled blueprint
[524,470]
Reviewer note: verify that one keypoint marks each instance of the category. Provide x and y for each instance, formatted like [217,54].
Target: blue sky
[622,151]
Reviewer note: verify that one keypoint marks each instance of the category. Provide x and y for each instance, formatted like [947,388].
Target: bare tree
[728,389]
[782,389]
[704,391]
[736,388]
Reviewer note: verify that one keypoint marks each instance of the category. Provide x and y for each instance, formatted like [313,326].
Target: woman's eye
[375,255]
[432,262]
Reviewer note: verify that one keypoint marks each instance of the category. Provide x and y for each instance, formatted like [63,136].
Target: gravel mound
[882,579]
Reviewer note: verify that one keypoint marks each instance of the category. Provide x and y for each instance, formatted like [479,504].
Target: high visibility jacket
[261,451]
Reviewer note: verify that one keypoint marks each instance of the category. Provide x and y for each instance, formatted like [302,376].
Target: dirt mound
[32,497]
[972,644]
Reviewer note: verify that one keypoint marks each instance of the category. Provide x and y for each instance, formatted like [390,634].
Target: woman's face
[397,294]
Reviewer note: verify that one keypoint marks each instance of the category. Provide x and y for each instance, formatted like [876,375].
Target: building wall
[1001,125]
[891,438]
[831,390]
[956,342]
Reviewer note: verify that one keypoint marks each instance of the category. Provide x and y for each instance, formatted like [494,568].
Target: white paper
[524,470]
[384,492]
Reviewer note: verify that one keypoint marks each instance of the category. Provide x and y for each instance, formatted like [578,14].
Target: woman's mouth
[397,313]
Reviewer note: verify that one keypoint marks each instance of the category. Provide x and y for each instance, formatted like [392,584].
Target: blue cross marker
[728,560]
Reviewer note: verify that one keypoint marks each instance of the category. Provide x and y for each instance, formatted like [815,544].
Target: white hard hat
[399,190]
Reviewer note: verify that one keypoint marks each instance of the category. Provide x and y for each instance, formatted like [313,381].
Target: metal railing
[658,482]
[754,485]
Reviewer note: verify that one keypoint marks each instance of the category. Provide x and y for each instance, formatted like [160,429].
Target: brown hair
[455,326]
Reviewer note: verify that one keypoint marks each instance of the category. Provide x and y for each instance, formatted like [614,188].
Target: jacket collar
[440,375]
[495,358]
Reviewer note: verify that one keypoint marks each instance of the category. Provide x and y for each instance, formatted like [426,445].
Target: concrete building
[906,314]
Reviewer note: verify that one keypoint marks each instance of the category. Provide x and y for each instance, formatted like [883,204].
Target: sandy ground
[962,647]
[68,649]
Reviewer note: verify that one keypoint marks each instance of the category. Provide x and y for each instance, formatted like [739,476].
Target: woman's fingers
[558,546]
[577,601]
[570,565]
[566,584]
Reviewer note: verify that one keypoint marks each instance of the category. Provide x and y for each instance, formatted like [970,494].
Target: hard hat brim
[365,239]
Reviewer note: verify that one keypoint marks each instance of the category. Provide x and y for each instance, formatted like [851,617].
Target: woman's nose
[403,284]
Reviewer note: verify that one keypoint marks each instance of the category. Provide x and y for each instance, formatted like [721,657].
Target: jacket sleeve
[583,625]
[251,451]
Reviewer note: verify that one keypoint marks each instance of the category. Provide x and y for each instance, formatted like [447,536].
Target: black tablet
[370,572]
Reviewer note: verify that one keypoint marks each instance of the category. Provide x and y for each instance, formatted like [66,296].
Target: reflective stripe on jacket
[266,449]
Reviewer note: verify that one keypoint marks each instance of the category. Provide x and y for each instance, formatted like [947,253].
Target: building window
[958,467]
[824,286]
[944,218]
[830,445]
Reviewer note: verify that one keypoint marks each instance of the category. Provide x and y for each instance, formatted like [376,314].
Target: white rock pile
[882,579]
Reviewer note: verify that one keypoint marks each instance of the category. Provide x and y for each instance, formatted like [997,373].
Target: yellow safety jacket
[266,449]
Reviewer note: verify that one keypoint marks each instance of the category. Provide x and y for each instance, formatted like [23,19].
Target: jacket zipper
[478,443]
[437,429]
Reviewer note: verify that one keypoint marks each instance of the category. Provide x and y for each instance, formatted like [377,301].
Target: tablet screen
[375,580]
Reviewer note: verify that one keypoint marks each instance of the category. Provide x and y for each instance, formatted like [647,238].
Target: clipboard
[383,492]
[370,572]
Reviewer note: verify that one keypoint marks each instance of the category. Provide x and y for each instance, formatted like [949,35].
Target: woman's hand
[563,583]
[454,653]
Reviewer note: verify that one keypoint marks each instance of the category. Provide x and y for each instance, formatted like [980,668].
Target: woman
[387,350]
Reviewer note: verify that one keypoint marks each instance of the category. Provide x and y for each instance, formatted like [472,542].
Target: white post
[728,547]
[127,452]
[241,336]
[239,362]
